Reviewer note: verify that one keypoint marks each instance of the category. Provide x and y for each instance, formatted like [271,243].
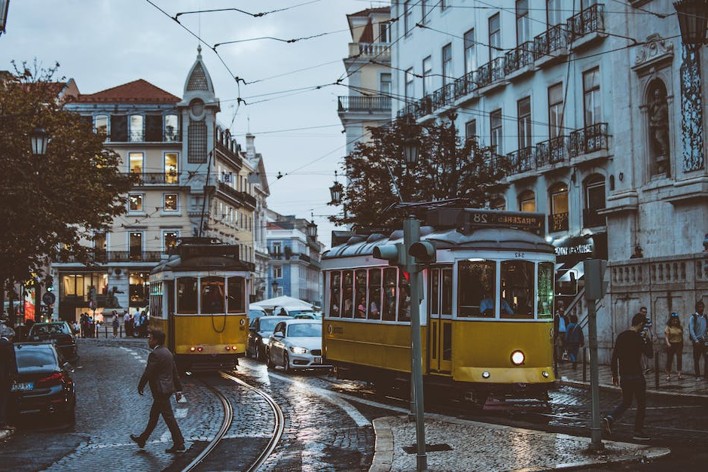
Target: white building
[565,90]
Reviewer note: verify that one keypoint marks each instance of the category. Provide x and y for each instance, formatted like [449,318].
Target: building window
[136,245]
[495,125]
[385,84]
[169,240]
[527,201]
[498,203]
[558,220]
[555,110]
[424,10]
[277,272]
[553,13]
[135,201]
[470,58]
[522,21]
[594,201]
[523,108]
[384,33]
[101,125]
[170,202]
[471,129]
[171,128]
[591,97]
[409,88]
[407,17]
[494,37]
[153,128]
[135,161]
[447,74]
[136,128]
[427,75]
[171,167]
[277,249]
[119,128]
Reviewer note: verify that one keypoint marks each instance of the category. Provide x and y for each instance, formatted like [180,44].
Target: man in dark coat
[162,376]
[8,370]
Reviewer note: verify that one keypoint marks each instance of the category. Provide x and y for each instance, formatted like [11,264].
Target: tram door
[440,320]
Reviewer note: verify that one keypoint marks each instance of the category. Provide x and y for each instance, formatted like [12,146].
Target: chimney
[250,146]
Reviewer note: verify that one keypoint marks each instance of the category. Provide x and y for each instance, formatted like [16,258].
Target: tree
[447,169]
[51,204]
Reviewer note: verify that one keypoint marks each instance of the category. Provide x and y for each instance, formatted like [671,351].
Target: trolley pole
[411,235]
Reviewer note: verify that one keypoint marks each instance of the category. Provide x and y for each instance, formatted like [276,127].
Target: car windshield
[299,312]
[268,324]
[35,358]
[50,329]
[305,330]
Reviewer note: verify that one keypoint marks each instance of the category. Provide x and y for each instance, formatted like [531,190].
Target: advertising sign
[29,303]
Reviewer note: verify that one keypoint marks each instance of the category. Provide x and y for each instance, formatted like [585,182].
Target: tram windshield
[187,295]
[476,287]
[212,292]
[516,295]
[236,295]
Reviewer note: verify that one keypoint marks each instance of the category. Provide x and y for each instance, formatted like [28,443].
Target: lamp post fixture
[311,229]
[335,191]
[692,22]
[39,139]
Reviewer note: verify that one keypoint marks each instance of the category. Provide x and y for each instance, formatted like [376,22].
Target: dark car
[258,334]
[58,332]
[43,384]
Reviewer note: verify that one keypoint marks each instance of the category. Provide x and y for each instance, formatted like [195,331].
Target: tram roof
[203,254]
[495,239]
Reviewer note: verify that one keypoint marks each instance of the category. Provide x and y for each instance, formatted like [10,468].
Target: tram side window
[374,294]
[446,292]
[236,295]
[434,291]
[334,294]
[187,295]
[404,305]
[476,288]
[347,294]
[516,295]
[212,291]
[545,290]
[389,299]
[360,280]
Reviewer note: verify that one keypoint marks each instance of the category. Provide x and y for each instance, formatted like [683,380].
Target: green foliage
[447,169]
[50,203]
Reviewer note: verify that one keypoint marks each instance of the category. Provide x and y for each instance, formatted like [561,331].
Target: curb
[383,446]
[580,383]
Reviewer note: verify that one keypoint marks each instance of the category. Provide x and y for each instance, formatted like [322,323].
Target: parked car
[296,344]
[43,384]
[258,334]
[285,311]
[308,315]
[254,311]
[60,333]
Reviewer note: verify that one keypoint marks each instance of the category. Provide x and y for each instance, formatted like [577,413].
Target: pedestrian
[697,326]
[560,328]
[162,376]
[648,336]
[673,337]
[116,324]
[574,340]
[128,323]
[627,354]
[8,371]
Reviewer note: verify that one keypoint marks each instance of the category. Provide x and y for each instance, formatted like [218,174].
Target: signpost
[594,290]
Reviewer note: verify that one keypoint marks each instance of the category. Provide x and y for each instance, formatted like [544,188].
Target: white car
[296,344]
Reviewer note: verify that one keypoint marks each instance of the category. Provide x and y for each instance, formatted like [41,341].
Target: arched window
[558,198]
[498,203]
[527,201]
[659,143]
[594,190]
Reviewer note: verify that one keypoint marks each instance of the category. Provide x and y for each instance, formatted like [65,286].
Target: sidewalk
[468,445]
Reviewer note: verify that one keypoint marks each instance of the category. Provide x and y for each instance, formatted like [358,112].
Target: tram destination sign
[468,218]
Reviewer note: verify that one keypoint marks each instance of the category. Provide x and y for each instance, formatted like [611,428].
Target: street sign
[49,298]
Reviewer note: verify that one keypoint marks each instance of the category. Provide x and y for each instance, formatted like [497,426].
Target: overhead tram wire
[254,15]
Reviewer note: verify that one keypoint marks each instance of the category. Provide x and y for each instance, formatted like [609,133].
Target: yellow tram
[486,309]
[198,296]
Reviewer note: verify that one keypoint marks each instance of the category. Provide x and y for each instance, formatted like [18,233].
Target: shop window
[138,289]
[476,286]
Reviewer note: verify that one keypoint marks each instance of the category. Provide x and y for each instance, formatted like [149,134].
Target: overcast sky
[105,43]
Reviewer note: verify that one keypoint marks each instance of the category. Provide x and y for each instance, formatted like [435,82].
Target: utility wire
[254,15]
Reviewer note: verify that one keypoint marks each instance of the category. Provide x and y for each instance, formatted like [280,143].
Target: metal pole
[411,235]
[596,431]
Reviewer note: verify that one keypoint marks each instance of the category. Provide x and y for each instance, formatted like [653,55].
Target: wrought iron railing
[592,219]
[589,139]
[466,84]
[368,104]
[519,58]
[550,41]
[552,151]
[522,160]
[590,20]
[491,72]
[154,178]
[558,222]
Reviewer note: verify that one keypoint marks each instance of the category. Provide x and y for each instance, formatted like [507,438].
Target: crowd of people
[134,324]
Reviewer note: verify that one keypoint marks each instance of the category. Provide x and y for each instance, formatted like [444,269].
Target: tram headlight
[192,349]
[485,374]
[517,357]
[200,349]
[228,348]
[298,350]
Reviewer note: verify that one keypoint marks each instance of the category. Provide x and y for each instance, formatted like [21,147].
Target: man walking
[161,373]
[628,351]
[697,326]
[8,370]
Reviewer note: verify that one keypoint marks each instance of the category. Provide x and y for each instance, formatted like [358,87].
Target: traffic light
[423,252]
[395,254]
[49,283]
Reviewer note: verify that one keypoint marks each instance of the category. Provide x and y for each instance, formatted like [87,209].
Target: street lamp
[311,229]
[336,191]
[39,139]
[692,22]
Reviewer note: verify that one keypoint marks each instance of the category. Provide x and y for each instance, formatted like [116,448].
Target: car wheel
[286,362]
[269,361]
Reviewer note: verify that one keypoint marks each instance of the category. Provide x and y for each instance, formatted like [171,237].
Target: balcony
[466,84]
[380,51]
[364,104]
[522,160]
[241,198]
[519,60]
[103,257]
[550,45]
[588,140]
[443,96]
[552,151]
[592,219]
[154,178]
[587,25]
[558,222]
[491,73]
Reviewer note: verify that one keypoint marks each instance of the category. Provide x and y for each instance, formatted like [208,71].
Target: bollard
[120,331]
[585,364]
[656,369]
[106,328]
